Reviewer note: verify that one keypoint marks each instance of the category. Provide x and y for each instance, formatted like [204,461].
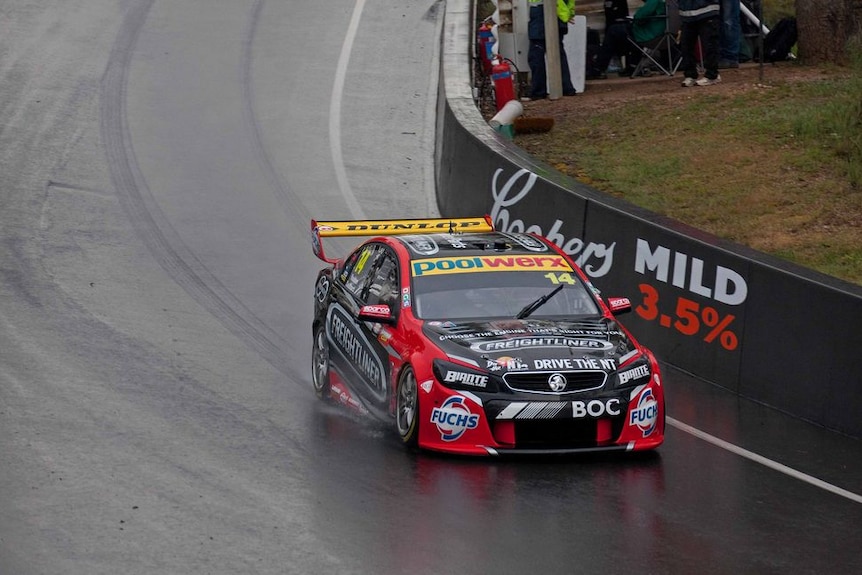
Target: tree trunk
[824,27]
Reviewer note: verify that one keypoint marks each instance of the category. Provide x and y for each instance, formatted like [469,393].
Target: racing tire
[407,408]
[320,365]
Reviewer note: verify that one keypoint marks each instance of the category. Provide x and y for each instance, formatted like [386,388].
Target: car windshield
[501,294]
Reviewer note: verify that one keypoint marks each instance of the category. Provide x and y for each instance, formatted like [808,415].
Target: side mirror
[619,305]
[380,313]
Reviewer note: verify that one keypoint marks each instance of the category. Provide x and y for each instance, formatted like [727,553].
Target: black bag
[779,41]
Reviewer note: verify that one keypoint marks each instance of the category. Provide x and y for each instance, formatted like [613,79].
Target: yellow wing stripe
[401,227]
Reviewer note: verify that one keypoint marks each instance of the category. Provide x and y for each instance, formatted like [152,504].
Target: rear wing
[393,228]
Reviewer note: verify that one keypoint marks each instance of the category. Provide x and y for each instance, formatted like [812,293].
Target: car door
[357,352]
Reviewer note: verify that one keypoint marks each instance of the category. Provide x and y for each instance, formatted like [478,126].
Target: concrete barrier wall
[755,325]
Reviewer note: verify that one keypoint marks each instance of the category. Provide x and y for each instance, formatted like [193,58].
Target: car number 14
[561,278]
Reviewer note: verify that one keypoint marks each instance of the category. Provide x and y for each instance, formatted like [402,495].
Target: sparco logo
[595,259]
[356,349]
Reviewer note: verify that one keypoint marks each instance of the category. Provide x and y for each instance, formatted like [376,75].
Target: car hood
[534,345]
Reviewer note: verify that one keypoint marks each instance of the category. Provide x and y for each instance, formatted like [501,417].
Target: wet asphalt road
[159,164]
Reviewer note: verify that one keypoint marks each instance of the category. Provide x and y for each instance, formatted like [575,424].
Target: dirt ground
[666,91]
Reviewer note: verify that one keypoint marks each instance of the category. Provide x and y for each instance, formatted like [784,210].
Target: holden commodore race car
[479,342]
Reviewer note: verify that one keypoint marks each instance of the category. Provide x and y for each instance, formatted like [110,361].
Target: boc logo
[453,418]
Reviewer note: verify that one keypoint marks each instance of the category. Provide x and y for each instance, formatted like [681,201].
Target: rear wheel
[320,364]
[407,408]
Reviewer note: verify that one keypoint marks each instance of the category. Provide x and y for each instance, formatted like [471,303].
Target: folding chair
[663,52]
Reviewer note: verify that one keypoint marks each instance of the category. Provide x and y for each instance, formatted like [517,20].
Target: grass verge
[777,167]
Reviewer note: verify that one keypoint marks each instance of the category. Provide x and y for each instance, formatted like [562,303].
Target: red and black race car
[479,342]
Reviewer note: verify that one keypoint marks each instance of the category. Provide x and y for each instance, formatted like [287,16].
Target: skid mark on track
[764,461]
[52,186]
[163,242]
[62,186]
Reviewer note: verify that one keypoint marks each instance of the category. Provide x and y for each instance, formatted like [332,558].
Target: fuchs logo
[453,418]
[645,415]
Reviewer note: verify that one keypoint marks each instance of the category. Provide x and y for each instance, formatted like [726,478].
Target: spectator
[643,28]
[616,11]
[749,31]
[615,42]
[700,19]
[729,37]
[536,53]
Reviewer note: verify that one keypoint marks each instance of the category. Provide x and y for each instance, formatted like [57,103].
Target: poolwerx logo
[455,265]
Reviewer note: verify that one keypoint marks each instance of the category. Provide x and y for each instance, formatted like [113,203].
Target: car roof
[420,246]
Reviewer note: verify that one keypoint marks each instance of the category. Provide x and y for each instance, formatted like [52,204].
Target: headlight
[461,377]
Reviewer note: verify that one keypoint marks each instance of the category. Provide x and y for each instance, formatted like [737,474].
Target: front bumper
[463,422]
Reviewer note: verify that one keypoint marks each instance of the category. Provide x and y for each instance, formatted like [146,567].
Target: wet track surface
[159,163]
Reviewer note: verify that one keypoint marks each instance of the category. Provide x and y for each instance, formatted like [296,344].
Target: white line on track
[430,178]
[764,461]
[356,210]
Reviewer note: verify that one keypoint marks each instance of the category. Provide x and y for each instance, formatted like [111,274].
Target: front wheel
[407,408]
[320,365]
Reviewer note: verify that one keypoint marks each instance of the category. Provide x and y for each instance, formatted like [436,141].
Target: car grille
[537,382]
[562,434]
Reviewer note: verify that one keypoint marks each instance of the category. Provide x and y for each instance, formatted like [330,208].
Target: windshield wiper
[534,305]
